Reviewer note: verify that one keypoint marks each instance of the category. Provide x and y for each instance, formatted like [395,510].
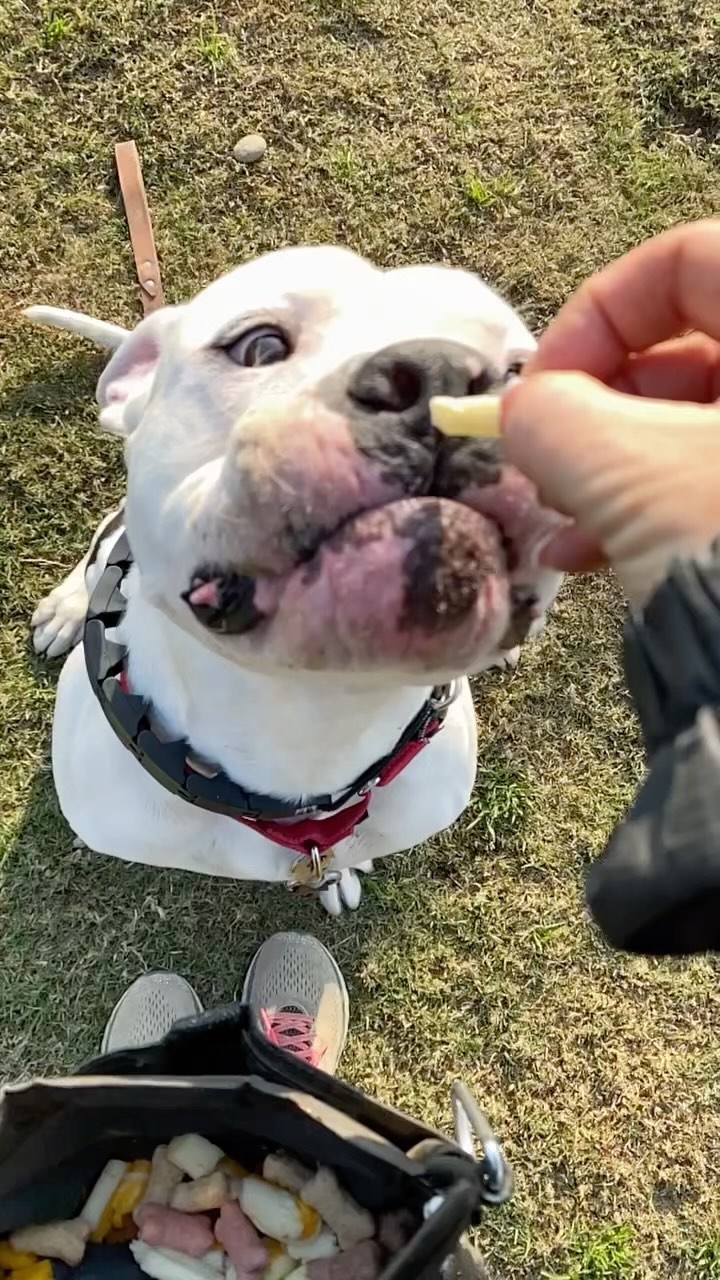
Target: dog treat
[164,1177]
[362,1262]
[323,1245]
[276,1213]
[124,1199]
[166,1228]
[220,1224]
[168,1264]
[343,1215]
[233,1168]
[63,1240]
[280,1264]
[286,1171]
[37,1271]
[242,1243]
[208,1192]
[466,415]
[97,1205]
[395,1229]
[194,1155]
[13,1260]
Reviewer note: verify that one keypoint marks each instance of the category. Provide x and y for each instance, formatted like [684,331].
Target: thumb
[639,477]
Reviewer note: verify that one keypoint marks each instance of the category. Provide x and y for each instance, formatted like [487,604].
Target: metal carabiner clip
[472,1128]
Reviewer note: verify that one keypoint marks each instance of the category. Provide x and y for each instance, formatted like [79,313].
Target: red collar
[323,833]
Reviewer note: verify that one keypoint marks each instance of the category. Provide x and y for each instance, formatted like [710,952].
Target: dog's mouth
[443,579]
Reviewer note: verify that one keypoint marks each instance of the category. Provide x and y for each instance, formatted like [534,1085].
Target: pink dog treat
[344,1216]
[363,1262]
[396,1228]
[208,1192]
[242,1243]
[161,1227]
[164,1177]
[286,1172]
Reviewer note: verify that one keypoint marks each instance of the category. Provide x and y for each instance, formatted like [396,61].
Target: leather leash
[139,225]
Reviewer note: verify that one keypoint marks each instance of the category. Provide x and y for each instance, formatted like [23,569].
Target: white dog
[310,561]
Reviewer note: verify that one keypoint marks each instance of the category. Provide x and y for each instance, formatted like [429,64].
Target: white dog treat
[323,1246]
[286,1172]
[209,1192]
[194,1154]
[164,1177]
[343,1215]
[103,1192]
[63,1240]
[466,415]
[166,1264]
[276,1213]
[362,1262]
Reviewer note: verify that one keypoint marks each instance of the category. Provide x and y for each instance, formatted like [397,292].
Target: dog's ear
[126,381]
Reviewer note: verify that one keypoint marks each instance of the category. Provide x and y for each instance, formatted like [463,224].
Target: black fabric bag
[217,1075]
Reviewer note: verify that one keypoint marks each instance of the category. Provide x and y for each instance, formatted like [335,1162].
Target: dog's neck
[285,735]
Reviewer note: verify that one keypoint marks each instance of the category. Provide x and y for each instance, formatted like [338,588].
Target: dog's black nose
[400,380]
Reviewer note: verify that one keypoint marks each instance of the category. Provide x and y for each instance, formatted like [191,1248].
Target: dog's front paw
[58,620]
[508,660]
[347,892]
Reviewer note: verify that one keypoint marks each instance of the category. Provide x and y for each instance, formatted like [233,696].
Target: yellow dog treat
[37,1271]
[12,1260]
[466,415]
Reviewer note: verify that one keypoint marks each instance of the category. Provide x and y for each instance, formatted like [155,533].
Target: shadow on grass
[78,927]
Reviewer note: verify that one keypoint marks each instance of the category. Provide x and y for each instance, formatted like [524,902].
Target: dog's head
[288,498]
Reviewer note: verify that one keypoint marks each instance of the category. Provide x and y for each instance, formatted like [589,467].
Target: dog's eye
[514,370]
[263,345]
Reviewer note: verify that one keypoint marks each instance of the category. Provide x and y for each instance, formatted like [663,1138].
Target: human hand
[628,443]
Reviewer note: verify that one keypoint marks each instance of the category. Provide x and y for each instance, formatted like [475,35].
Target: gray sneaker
[148,1009]
[299,997]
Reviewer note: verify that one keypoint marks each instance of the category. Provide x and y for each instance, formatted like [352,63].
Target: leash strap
[139,225]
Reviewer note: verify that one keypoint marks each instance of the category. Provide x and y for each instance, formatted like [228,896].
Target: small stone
[250,149]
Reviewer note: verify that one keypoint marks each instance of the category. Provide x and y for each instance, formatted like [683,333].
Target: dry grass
[533,142]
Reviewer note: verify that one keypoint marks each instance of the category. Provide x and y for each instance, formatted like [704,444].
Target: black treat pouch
[216,1075]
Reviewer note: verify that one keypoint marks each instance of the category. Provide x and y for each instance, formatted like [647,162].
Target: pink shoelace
[294,1032]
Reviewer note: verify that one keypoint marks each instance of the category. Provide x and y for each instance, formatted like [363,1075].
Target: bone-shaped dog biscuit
[164,1177]
[164,1228]
[243,1246]
[168,1264]
[323,1245]
[63,1240]
[209,1192]
[343,1215]
[194,1154]
[96,1208]
[363,1262]
[466,415]
[276,1213]
[286,1171]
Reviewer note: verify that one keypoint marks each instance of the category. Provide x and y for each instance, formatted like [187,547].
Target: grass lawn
[530,141]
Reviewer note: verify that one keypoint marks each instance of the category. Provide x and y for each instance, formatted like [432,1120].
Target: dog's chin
[418,586]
